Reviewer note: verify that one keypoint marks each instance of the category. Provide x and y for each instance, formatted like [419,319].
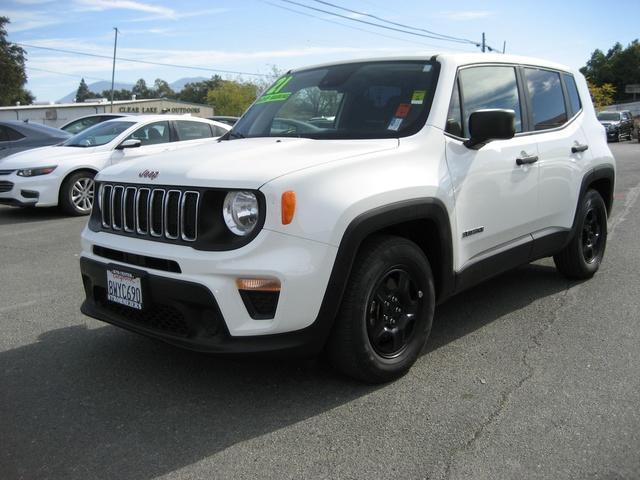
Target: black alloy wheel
[391,313]
[591,235]
[386,312]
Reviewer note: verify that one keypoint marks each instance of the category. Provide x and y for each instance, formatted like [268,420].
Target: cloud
[22,20]
[99,5]
[464,15]
[179,16]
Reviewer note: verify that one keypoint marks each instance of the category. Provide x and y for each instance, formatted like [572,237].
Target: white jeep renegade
[347,202]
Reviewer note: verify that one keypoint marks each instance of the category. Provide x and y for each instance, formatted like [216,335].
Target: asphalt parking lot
[525,376]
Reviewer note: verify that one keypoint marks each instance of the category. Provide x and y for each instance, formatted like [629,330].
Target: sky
[252,36]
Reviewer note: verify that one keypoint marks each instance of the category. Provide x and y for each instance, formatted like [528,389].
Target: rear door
[496,199]
[556,118]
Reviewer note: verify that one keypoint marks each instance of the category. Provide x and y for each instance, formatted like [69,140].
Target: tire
[76,193]
[381,328]
[582,257]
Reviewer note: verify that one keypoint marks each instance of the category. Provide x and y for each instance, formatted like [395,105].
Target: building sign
[155,110]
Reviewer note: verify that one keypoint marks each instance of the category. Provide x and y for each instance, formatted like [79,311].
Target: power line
[65,74]
[394,23]
[357,28]
[147,62]
[386,27]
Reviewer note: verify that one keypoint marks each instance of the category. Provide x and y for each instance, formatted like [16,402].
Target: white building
[57,114]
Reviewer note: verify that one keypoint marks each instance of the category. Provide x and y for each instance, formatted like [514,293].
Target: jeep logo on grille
[150,174]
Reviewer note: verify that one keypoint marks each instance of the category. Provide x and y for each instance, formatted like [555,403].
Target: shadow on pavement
[15,215]
[85,403]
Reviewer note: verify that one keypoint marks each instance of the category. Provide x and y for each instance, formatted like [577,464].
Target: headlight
[33,172]
[240,212]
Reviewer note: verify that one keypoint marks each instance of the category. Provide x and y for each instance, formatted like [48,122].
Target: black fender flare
[600,172]
[358,230]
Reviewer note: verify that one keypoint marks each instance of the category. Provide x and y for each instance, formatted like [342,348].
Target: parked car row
[62,174]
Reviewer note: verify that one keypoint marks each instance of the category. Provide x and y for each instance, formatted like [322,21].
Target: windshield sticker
[395,124]
[403,110]
[427,68]
[275,93]
[418,97]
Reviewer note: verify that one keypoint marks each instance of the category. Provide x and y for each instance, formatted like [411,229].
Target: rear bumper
[187,315]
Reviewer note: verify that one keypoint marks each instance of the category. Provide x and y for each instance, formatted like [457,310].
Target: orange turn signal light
[288,206]
[258,284]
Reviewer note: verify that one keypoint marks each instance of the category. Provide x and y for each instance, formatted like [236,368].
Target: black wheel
[386,313]
[76,193]
[582,257]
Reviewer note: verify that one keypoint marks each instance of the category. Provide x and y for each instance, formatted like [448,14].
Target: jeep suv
[347,202]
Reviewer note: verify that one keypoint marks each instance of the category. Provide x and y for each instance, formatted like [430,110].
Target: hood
[244,163]
[44,156]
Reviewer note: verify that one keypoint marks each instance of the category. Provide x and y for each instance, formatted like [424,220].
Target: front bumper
[200,300]
[41,191]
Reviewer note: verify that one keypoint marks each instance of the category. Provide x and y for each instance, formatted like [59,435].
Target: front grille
[171,214]
[5,186]
[6,172]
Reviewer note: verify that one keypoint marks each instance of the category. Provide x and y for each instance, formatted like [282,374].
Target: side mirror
[130,143]
[488,125]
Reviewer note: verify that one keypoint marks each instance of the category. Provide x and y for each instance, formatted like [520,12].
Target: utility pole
[113,70]
[484,44]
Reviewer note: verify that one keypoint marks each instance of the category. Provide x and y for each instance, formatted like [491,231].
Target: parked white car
[63,174]
[350,200]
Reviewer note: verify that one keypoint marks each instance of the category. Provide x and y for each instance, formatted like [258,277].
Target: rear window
[547,100]
[572,91]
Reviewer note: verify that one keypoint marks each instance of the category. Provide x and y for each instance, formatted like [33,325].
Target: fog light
[258,284]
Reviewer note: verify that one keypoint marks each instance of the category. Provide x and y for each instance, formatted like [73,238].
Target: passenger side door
[154,137]
[496,195]
[556,118]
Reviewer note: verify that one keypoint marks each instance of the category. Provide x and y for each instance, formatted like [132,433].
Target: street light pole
[113,70]
[484,44]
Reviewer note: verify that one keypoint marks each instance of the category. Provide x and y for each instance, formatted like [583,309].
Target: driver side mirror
[130,143]
[488,125]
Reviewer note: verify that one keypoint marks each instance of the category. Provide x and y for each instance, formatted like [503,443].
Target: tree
[231,97]
[161,89]
[197,92]
[603,95]
[83,92]
[619,67]
[122,94]
[140,89]
[12,74]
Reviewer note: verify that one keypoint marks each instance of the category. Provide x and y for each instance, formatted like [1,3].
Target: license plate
[124,288]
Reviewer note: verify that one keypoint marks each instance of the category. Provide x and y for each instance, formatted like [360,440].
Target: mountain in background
[99,87]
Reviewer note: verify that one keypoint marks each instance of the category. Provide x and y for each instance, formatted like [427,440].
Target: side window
[454,117]
[3,134]
[218,131]
[12,134]
[489,87]
[154,133]
[572,90]
[192,130]
[547,100]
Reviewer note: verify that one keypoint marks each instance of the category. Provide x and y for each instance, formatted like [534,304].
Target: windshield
[609,116]
[97,135]
[358,100]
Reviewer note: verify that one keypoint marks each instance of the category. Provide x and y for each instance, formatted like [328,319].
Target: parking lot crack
[567,300]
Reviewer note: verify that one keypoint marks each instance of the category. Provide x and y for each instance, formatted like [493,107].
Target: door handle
[526,160]
[579,148]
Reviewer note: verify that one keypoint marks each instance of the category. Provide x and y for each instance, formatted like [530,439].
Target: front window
[609,116]
[152,134]
[99,134]
[357,100]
